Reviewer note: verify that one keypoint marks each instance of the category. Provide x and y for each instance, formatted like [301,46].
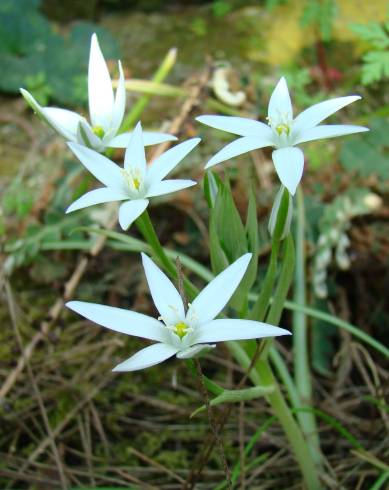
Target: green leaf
[376,67]
[367,155]
[211,185]
[39,58]
[373,33]
[236,396]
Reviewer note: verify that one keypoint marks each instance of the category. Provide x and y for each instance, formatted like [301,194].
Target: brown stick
[34,385]
[212,423]
[75,278]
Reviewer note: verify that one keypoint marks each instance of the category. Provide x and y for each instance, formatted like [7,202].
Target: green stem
[145,226]
[159,76]
[290,427]
[140,105]
[261,374]
[300,340]
[258,311]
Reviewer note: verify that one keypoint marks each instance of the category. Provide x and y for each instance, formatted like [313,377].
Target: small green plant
[375,67]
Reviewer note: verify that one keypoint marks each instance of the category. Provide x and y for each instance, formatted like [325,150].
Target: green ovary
[181,329]
[98,131]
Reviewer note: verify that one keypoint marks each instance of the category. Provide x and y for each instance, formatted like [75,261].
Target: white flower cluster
[181,330]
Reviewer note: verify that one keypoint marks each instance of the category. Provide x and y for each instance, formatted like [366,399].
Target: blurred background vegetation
[134,431]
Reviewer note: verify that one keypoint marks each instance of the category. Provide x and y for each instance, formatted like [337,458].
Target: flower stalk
[300,340]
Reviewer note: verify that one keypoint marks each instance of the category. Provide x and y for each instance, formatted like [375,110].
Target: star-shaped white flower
[282,132]
[176,332]
[136,182]
[106,111]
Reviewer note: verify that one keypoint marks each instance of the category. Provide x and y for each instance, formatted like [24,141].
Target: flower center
[181,329]
[133,178]
[282,128]
[98,131]
[282,124]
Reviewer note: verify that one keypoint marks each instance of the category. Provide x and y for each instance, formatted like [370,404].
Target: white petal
[280,103]
[222,330]
[62,121]
[328,131]
[213,298]
[97,196]
[289,164]
[318,112]
[135,154]
[237,125]
[149,138]
[168,186]
[86,137]
[147,357]
[195,350]
[130,210]
[164,164]
[237,147]
[100,89]
[120,102]
[100,166]
[120,320]
[165,296]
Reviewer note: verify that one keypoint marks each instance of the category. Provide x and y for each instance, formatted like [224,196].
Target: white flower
[176,332]
[136,182]
[282,132]
[106,111]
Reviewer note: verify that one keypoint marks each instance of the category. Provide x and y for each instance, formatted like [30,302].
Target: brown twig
[212,423]
[35,388]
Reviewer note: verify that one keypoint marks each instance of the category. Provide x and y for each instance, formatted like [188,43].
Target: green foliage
[220,8]
[40,59]
[229,237]
[367,154]
[376,61]
[236,396]
[321,14]
[271,4]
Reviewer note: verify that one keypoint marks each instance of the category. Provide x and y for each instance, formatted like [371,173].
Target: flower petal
[120,102]
[237,147]
[165,296]
[195,350]
[164,164]
[120,320]
[328,131]
[237,125]
[100,91]
[168,186]
[147,357]
[100,166]
[213,298]
[62,121]
[86,137]
[135,154]
[318,112]
[225,329]
[289,164]
[149,138]
[98,196]
[280,103]
[130,210]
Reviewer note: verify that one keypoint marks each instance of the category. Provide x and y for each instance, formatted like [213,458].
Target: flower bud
[281,215]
